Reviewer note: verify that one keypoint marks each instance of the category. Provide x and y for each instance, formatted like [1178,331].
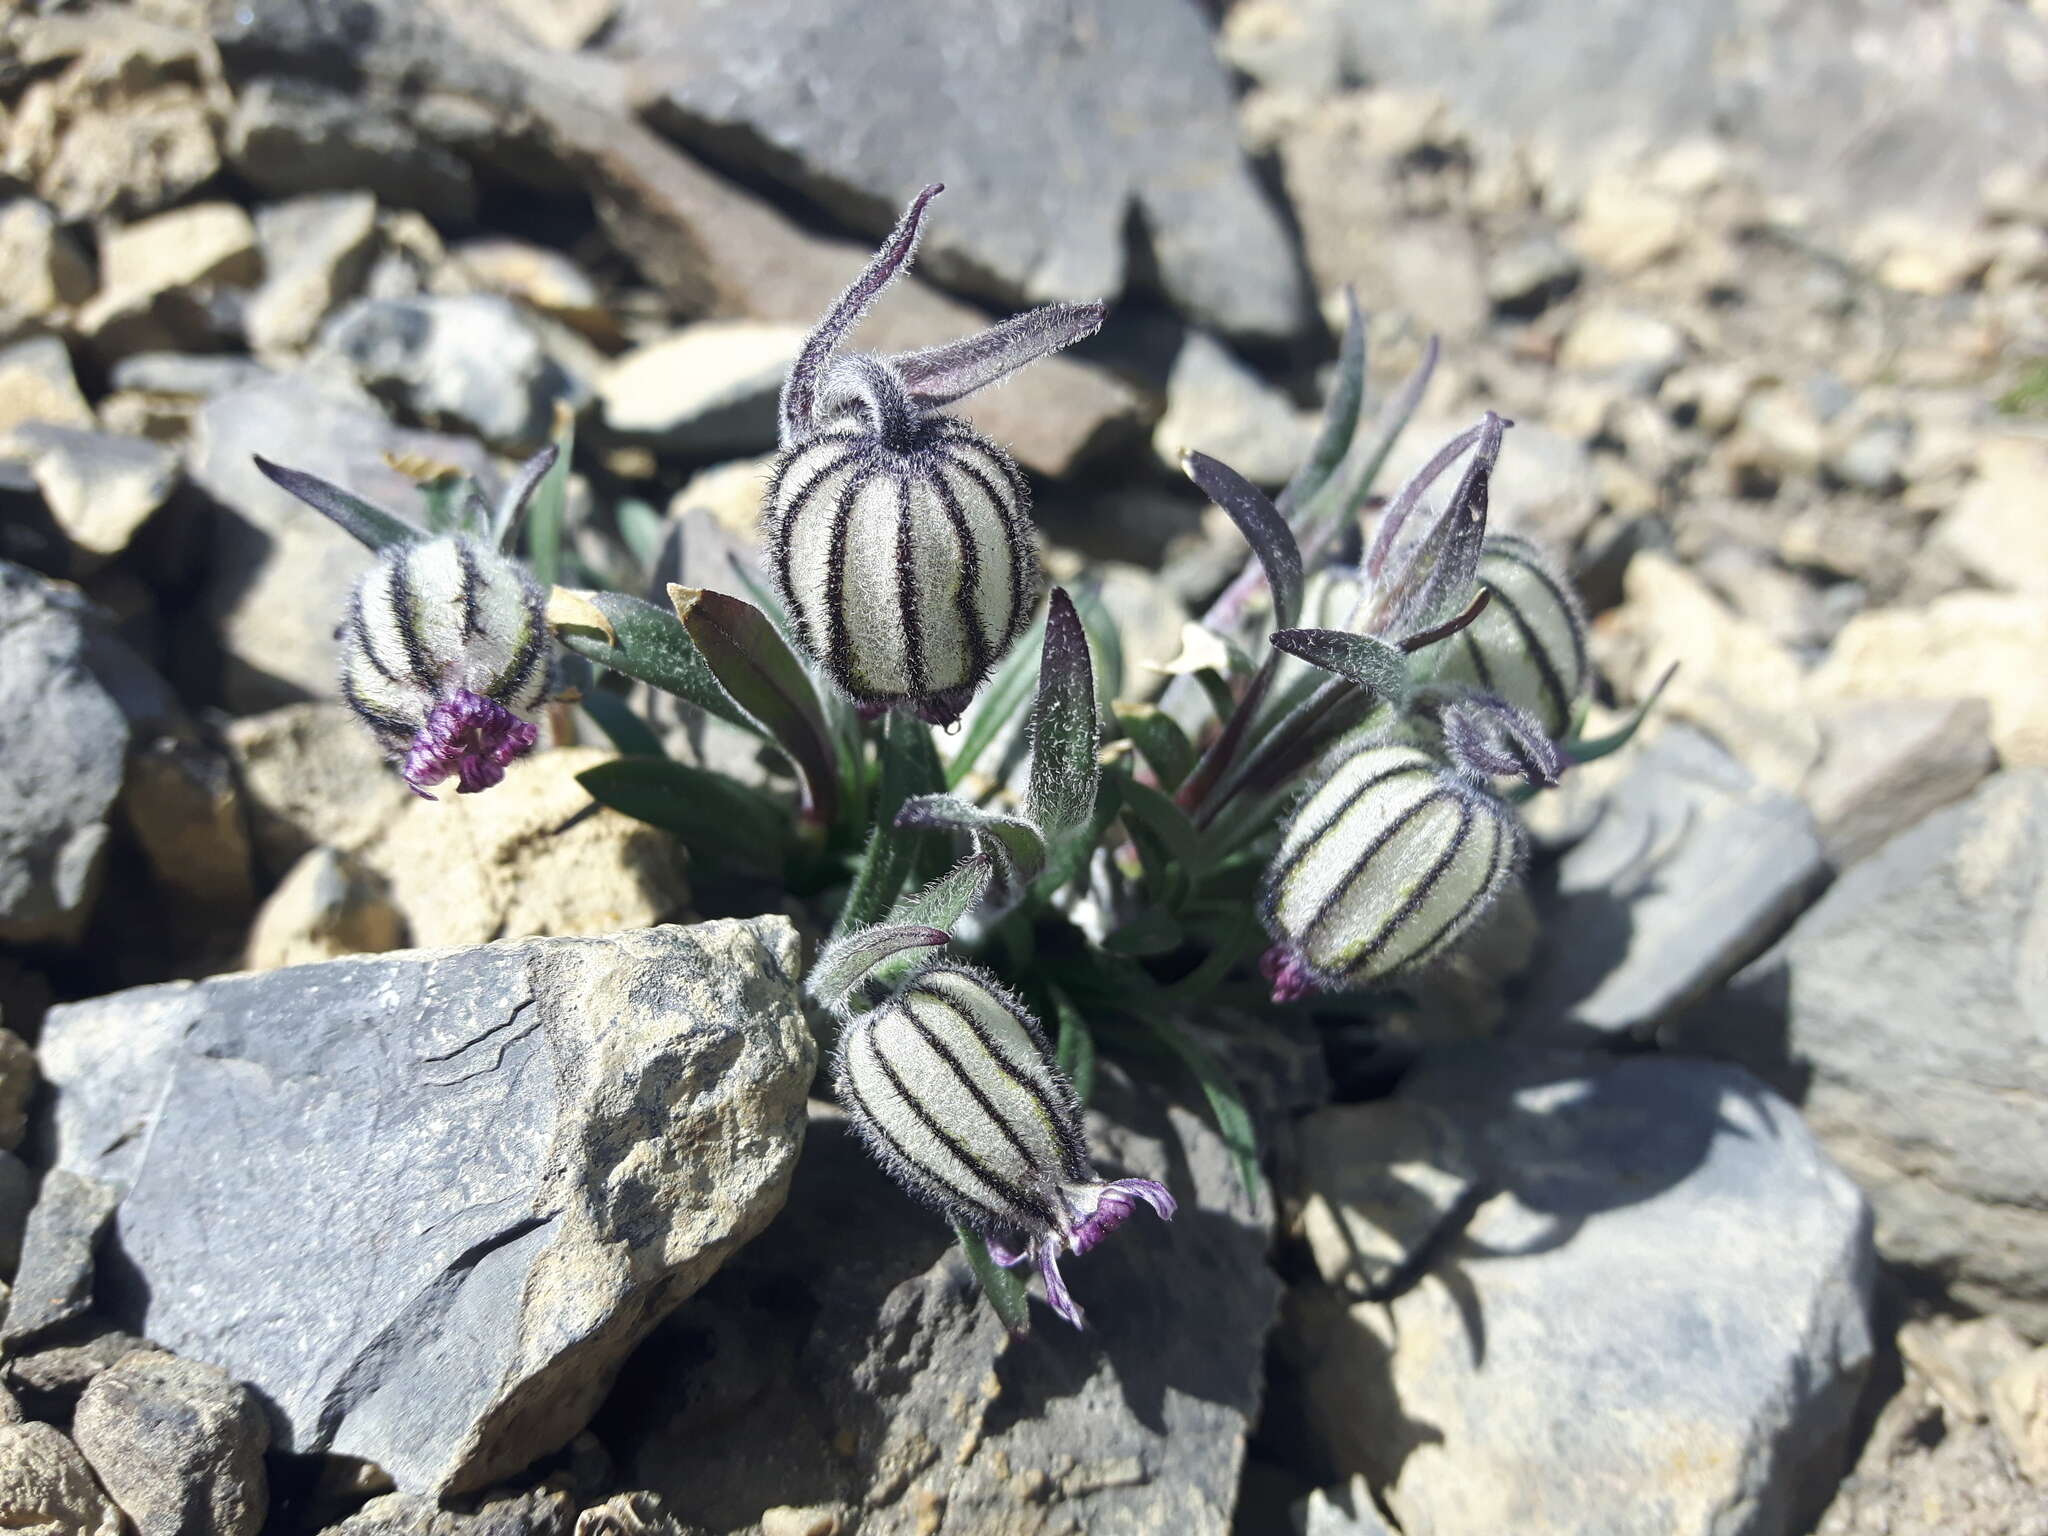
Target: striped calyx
[1384,865]
[952,1087]
[1528,645]
[444,653]
[899,535]
[903,557]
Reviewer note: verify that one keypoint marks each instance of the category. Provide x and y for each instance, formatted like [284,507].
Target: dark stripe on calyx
[869,1121]
[1546,672]
[375,719]
[1420,894]
[965,595]
[785,549]
[1019,1201]
[838,656]
[1476,655]
[1371,851]
[1523,560]
[1456,920]
[399,586]
[1013,535]
[510,684]
[472,578]
[1345,806]
[915,676]
[361,627]
[1011,1134]
[1071,1142]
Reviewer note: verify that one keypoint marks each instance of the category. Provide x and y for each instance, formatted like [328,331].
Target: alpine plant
[1321,799]
[899,536]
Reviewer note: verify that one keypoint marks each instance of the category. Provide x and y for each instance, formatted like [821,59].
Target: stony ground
[1707,1191]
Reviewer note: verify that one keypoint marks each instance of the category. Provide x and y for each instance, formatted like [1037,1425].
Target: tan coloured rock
[46,274]
[1733,681]
[46,1489]
[100,488]
[2019,1409]
[183,805]
[1625,224]
[732,493]
[311,775]
[1890,762]
[1986,645]
[316,249]
[179,1444]
[1999,529]
[1611,339]
[533,857]
[329,905]
[37,385]
[709,389]
[187,247]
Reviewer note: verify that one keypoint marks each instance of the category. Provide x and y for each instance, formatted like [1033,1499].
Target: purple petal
[1283,966]
[1056,1294]
[1116,1203]
[470,739]
[1009,1258]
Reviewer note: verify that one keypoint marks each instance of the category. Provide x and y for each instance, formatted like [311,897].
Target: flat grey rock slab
[1689,869]
[1044,122]
[54,1282]
[1909,1008]
[849,1359]
[1580,1294]
[425,1203]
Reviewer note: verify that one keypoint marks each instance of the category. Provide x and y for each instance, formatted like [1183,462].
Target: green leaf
[1151,932]
[1343,495]
[1165,821]
[950,897]
[844,963]
[1073,1045]
[1065,733]
[1377,667]
[655,649]
[909,767]
[449,503]
[1005,1292]
[1105,642]
[1226,1105]
[502,522]
[626,730]
[765,678]
[1006,693]
[1340,413]
[708,811]
[545,499]
[1070,854]
[368,524]
[1262,526]
[1160,741]
[1017,840]
[1591,751]
[641,529]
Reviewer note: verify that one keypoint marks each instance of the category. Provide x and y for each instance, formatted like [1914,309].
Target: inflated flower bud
[444,653]
[899,537]
[1384,865]
[1528,645]
[951,1085]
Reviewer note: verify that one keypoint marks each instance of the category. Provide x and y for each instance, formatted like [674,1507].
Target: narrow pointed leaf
[1004,1290]
[711,813]
[503,520]
[1160,741]
[1015,839]
[654,648]
[1165,821]
[1105,642]
[1262,526]
[626,730]
[545,503]
[1226,1104]
[844,963]
[1595,748]
[764,677]
[369,525]
[1340,413]
[950,897]
[940,375]
[1073,1045]
[1007,692]
[1065,733]
[909,767]
[1372,664]
[1071,854]
[1343,495]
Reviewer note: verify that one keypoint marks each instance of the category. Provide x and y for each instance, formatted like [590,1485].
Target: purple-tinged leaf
[949,898]
[756,666]
[1423,639]
[845,963]
[368,524]
[1427,580]
[1340,413]
[1262,526]
[799,407]
[1065,731]
[503,521]
[940,375]
[1488,738]
[1344,495]
[1374,665]
[1016,841]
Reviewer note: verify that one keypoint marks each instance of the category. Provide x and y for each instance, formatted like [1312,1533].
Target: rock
[193,376]
[1976,644]
[1959,1360]
[54,1282]
[316,251]
[179,1446]
[1778,437]
[311,775]
[533,274]
[1890,763]
[1724,1391]
[894,1390]
[1216,404]
[1345,1511]
[1637,350]
[641,1514]
[465,362]
[290,135]
[46,1489]
[1290,47]
[801,1520]
[539,1513]
[2019,1408]
[326,907]
[1874,457]
[564,25]
[1999,530]
[1916,255]
[17,1087]
[100,488]
[533,857]
[1689,870]
[46,273]
[1087,87]
[1626,224]
[37,385]
[183,806]
[73,699]
[10,1409]
[281,573]
[1905,1003]
[52,1378]
[1708,395]
[731,495]
[17,1199]
[708,391]
[1733,680]
[1532,274]
[425,1204]
[185,248]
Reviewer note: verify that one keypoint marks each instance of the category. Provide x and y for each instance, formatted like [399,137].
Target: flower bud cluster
[951,1085]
